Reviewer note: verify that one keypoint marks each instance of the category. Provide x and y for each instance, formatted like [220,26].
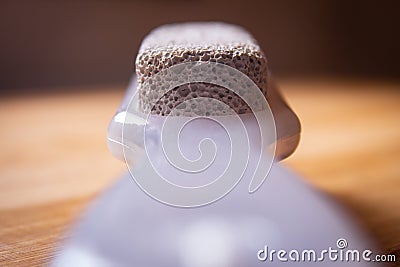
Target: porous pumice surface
[173,44]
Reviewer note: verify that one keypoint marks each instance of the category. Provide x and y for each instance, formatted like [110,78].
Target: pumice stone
[199,42]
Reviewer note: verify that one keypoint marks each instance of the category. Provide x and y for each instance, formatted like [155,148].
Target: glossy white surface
[125,227]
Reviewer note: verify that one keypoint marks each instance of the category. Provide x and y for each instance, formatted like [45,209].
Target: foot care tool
[201,129]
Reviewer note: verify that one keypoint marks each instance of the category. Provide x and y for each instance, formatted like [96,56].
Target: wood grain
[54,159]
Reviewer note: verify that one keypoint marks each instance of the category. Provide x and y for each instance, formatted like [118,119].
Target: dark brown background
[60,43]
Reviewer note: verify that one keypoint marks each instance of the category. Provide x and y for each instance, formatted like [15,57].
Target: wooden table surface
[54,159]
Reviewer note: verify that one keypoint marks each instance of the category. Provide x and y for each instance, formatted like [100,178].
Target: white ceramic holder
[127,227]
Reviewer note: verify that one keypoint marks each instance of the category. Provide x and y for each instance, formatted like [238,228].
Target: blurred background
[67,43]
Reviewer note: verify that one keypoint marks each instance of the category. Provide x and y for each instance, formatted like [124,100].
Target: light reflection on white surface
[125,227]
[196,250]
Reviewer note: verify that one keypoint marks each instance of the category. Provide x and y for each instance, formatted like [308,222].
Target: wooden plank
[54,159]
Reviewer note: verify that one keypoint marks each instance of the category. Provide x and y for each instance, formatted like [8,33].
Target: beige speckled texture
[173,44]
